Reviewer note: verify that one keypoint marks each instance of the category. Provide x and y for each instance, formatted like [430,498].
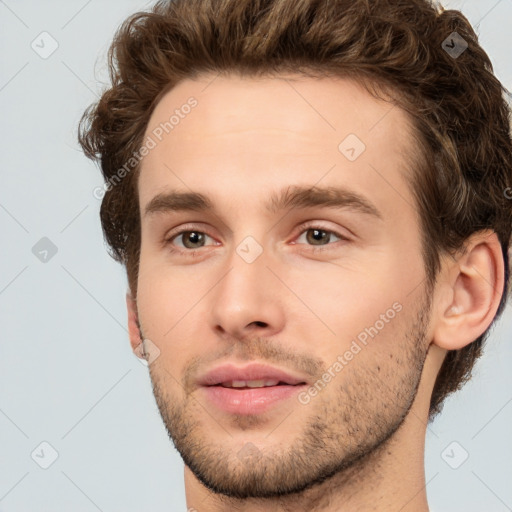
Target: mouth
[251,389]
[248,398]
[253,384]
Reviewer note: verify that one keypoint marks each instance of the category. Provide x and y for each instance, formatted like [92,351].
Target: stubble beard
[348,427]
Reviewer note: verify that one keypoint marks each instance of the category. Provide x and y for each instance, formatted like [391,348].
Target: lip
[253,371]
[247,401]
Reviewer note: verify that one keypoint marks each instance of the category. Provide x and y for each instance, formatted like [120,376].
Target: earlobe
[475,283]
[134,325]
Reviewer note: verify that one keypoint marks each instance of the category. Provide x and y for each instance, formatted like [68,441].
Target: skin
[358,445]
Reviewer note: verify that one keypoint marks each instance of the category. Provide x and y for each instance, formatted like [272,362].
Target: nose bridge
[248,293]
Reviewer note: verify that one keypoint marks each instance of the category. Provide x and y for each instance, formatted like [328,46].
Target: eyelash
[303,229]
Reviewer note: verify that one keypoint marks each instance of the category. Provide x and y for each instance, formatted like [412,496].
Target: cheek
[359,315]
[155,302]
[169,303]
[165,293]
[350,297]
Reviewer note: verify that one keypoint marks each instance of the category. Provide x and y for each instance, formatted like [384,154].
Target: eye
[191,239]
[318,237]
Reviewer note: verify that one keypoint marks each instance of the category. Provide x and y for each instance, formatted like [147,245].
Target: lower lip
[249,401]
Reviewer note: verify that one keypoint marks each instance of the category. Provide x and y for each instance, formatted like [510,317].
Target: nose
[247,300]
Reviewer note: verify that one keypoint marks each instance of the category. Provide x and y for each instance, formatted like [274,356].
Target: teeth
[249,383]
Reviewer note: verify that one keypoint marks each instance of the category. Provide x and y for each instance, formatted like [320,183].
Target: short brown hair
[460,116]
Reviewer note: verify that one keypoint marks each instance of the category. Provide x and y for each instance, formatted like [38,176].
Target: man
[310,201]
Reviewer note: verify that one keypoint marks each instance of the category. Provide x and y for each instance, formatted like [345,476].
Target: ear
[134,326]
[471,288]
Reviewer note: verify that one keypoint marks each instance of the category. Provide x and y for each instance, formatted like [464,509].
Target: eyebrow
[293,197]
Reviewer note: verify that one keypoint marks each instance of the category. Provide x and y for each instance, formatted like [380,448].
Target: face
[302,253]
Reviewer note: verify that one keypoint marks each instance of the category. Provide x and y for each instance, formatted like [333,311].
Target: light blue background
[67,374]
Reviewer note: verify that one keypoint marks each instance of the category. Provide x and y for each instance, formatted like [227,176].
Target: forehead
[256,134]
